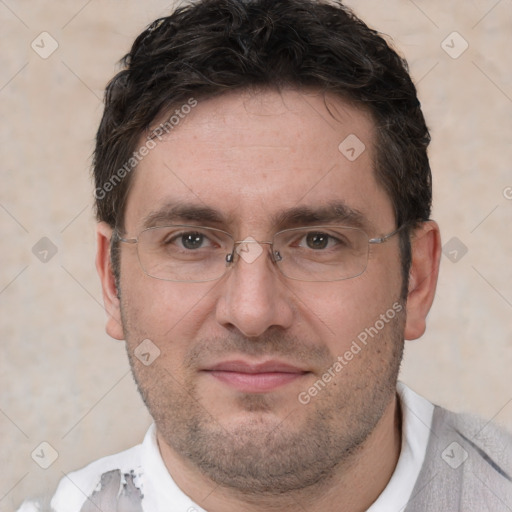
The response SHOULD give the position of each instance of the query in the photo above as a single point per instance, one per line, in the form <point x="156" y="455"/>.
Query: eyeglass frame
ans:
<point x="230" y="259"/>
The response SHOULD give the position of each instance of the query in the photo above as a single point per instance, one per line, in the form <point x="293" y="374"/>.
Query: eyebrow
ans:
<point x="183" y="212"/>
<point x="333" y="212"/>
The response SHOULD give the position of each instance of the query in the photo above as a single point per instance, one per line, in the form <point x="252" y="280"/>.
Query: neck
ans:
<point x="353" y="487"/>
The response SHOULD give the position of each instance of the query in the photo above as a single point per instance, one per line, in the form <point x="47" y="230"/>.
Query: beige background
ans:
<point x="65" y="382"/>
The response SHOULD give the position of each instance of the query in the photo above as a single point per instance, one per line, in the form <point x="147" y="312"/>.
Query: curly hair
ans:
<point x="210" y="47"/>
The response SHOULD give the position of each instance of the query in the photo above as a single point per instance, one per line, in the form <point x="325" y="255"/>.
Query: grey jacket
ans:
<point x="467" y="468"/>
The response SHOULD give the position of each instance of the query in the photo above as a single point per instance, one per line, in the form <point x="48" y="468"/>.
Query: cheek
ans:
<point x="163" y="311"/>
<point x="340" y="311"/>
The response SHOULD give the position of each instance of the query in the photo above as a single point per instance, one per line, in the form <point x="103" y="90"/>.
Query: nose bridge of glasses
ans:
<point x="249" y="250"/>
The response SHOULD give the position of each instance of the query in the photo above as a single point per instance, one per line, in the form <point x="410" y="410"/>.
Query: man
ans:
<point x="265" y="247"/>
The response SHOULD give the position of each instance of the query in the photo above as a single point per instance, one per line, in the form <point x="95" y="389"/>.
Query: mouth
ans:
<point x="250" y="377"/>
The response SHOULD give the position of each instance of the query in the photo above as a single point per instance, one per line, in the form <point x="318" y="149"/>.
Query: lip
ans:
<point x="250" y="377"/>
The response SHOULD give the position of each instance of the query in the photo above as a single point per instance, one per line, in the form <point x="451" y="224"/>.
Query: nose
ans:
<point x="253" y="296"/>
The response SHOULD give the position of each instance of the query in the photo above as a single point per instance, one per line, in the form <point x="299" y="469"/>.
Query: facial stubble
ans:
<point x="265" y="454"/>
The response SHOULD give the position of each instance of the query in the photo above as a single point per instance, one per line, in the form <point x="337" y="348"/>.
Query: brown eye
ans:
<point x="317" y="240"/>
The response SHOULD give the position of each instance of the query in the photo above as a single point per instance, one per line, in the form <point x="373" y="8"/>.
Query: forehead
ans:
<point x="250" y="157"/>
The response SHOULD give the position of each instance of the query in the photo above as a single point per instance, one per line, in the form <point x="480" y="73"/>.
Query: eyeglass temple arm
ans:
<point x="384" y="238"/>
<point x="117" y="236"/>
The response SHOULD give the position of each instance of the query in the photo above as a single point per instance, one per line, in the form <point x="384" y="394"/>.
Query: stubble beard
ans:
<point x="263" y="455"/>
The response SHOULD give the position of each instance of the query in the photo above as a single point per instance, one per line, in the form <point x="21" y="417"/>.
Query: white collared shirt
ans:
<point x="417" y="413"/>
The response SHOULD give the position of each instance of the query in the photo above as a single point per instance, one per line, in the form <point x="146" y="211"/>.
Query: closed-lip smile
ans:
<point x="255" y="377"/>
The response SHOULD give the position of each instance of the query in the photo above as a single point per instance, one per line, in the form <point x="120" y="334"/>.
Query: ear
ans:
<point x="426" y="254"/>
<point x="114" y="326"/>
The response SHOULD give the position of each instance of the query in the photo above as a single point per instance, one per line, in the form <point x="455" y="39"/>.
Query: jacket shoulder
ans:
<point x="467" y="467"/>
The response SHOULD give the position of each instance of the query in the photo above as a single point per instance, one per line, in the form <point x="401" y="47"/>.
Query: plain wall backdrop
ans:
<point x="65" y="382"/>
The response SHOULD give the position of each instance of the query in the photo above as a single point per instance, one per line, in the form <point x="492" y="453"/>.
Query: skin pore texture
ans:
<point x="253" y="157"/>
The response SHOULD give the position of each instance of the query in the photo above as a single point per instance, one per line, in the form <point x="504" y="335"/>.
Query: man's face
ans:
<point x="236" y="353"/>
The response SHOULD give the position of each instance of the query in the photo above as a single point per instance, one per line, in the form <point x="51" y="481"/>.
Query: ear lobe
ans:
<point x="423" y="275"/>
<point x="110" y="293"/>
